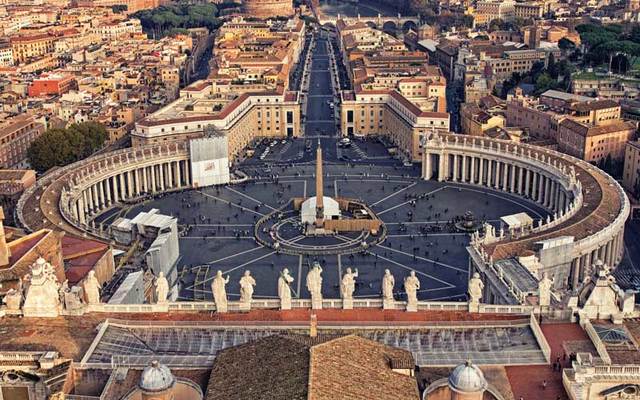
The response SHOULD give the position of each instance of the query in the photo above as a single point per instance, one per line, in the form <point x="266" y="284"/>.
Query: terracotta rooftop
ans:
<point x="283" y="367"/>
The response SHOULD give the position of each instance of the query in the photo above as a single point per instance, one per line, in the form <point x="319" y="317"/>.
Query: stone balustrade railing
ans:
<point x="539" y="335"/>
<point x="597" y="342"/>
<point x="274" y="304"/>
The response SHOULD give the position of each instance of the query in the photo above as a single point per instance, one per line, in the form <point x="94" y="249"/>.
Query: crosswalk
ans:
<point x="359" y="151"/>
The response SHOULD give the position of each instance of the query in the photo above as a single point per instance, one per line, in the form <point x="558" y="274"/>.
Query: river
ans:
<point x="366" y="8"/>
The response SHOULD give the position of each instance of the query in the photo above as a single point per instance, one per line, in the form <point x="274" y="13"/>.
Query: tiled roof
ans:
<point x="291" y="367"/>
<point x="273" y="368"/>
<point x="359" y="369"/>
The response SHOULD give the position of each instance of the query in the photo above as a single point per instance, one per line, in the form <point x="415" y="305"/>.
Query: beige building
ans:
<point x="391" y="114"/>
<point x="583" y="127"/>
<point x="16" y="135"/>
<point x="594" y="143"/>
<point x="249" y="116"/>
<point x="631" y="173"/>
<point x="28" y="46"/>
<point x="476" y="121"/>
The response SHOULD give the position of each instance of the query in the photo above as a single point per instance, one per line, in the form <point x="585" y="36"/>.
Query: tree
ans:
<point x="552" y="67"/>
<point x="545" y="82"/>
<point x="59" y="147"/>
<point x="566" y="45"/>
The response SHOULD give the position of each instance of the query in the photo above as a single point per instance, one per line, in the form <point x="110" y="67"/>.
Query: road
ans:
<point x="320" y="119"/>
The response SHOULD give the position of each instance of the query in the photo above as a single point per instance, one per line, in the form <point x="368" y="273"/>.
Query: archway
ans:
<point x="390" y="27"/>
<point x="409" y="25"/>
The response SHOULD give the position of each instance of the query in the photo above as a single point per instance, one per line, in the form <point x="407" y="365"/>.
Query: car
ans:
<point x="275" y="142"/>
<point x="283" y="141"/>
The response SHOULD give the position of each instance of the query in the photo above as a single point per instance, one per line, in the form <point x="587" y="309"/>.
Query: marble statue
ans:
<point x="42" y="298"/>
<point x="13" y="299"/>
<point x="544" y="291"/>
<point x="91" y="288"/>
<point x="284" y="289"/>
<point x="219" y="292"/>
<point x="162" y="289"/>
<point x="314" y="281"/>
<point x="411" y="287"/>
<point x="476" y="287"/>
<point x="64" y="288"/>
<point x="247" y="282"/>
<point x="348" y="284"/>
<point x="388" y="281"/>
<point x="73" y="299"/>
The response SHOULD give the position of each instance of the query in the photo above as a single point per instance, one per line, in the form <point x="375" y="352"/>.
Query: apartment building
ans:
<point x="247" y="117"/>
<point x="582" y="126"/>
<point x="16" y="135"/>
<point x="25" y="47"/>
<point x="631" y="172"/>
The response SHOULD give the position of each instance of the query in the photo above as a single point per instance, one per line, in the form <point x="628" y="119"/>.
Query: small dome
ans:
<point x="156" y="378"/>
<point x="467" y="378"/>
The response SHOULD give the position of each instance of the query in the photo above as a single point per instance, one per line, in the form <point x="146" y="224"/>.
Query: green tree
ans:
<point x="566" y="44"/>
<point x="59" y="147"/>
<point x="545" y="82"/>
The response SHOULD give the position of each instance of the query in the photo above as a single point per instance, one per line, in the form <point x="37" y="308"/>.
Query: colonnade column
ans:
<point x="505" y="176"/>
<point x="521" y="180"/>
<point x="179" y="169"/>
<point x="82" y="208"/>
<point x="472" y="174"/>
<point x="129" y="184"/>
<point x="575" y="273"/>
<point x="455" y="168"/>
<point x="464" y="168"/>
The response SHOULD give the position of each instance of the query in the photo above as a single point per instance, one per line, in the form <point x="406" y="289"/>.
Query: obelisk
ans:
<point x="319" y="189"/>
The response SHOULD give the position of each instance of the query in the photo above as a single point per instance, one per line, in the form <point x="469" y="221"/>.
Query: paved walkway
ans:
<point x="526" y="381"/>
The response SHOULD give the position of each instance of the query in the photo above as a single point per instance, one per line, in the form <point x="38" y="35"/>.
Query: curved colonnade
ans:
<point x="69" y="198"/>
<point x="586" y="203"/>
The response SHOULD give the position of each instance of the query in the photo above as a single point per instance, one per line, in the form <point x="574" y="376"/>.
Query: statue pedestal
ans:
<point x="347" y="304"/>
<point x="474" y="306"/>
<point x="388" y="305"/>
<point x="13" y="301"/>
<point x="316" y="304"/>
<point x="221" y="308"/>
<point x="412" y="307"/>
<point x="245" y="306"/>
<point x="285" y="304"/>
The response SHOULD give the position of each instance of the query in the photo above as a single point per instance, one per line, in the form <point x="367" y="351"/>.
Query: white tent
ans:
<point x="308" y="210"/>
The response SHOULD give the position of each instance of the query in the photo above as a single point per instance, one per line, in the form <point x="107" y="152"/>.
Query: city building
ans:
<point x="53" y="84"/>
<point x="267" y="8"/>
<point x="16" y="135"/>
<point x="631" y="172"/>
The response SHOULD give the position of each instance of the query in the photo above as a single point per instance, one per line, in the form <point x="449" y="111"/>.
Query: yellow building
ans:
<point x="389" y="113"/>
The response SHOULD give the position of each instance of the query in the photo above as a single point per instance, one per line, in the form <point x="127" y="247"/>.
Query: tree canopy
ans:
<point x="60" y="146"/>
<point x="605" y="43"/>
<point x="165" y="19"/>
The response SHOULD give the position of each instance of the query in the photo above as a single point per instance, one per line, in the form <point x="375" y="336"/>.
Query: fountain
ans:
<point x="468" y="223"/>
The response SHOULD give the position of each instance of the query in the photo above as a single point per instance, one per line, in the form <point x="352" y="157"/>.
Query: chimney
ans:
<point x="313" y="326"/>
<point x="5" y="253"/>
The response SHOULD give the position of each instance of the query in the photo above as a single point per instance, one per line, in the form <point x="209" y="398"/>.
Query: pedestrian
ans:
<point x="544" y="384"/>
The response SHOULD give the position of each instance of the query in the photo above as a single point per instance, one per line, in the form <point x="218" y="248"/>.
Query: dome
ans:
<point x="467" y="378"/>
<point x="156" y="378"/>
